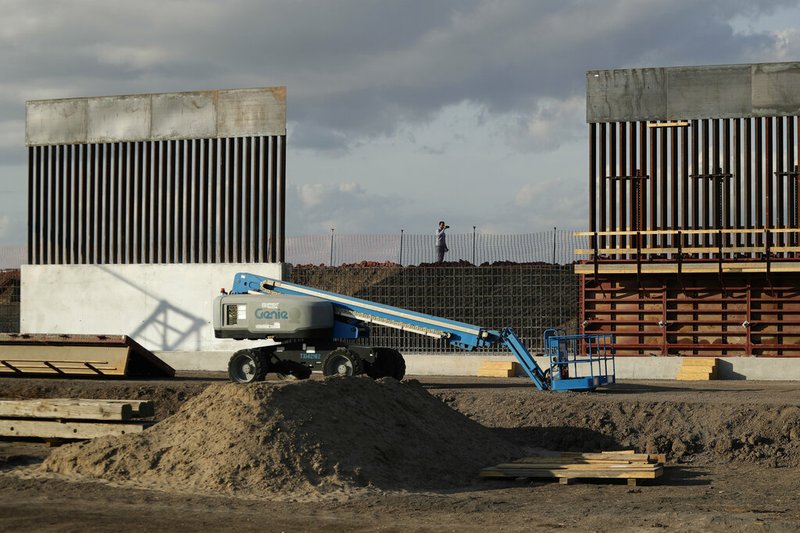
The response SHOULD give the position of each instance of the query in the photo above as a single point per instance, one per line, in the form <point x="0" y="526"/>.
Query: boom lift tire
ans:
<point x="247" y="366"/>
<point x="342" y="362"/>
<point x="388" y="363"/>
<point x="399" y="365"/>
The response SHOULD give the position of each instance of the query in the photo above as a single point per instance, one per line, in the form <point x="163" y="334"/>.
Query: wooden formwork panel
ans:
<point x="708" y="315"/>
<point x="77" y="355"/>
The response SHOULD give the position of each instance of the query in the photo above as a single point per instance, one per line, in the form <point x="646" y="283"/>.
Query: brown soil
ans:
<point x="357" y="455"/>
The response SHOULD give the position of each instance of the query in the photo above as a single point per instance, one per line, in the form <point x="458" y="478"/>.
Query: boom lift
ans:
<point x="311" y="328"/>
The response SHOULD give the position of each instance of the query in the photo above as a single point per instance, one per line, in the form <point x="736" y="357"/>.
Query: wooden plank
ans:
<point x="699" y="362"/>
<point x="500" y="364"/>
<point x="51" y="429"/>
<point x="76" y="409"/>
<point x="653" y="473"/>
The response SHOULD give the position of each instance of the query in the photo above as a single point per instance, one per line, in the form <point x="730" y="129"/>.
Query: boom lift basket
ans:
<point x="579" y="362"/>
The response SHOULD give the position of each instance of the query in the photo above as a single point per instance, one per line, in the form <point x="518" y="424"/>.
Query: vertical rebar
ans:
<point x="400" y="259"/>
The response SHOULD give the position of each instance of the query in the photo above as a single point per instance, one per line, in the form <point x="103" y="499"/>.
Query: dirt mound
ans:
<point x="299" y="439"/>
<point x="686" y="431"/>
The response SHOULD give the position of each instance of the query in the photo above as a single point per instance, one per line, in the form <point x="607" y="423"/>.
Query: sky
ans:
<point x="400" y="113"/>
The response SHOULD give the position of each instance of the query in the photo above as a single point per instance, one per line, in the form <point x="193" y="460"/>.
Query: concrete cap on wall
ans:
<point x="688" y="93"/>
<point x="157" y="116"/>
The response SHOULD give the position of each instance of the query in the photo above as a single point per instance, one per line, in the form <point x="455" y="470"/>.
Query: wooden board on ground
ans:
<point x="604" y="465"/>
<point x="72" y="419"/>
<point x="76" y="409"/>
<point x="498" y="369"/>
<point x="54" y="429"/>
<point x="697" y="369"/>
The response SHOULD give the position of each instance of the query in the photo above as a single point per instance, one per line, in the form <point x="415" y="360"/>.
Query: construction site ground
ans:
<point x="733" y="450"/>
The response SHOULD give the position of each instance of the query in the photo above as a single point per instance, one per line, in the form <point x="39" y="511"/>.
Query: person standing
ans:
<point x="441" y="242"/>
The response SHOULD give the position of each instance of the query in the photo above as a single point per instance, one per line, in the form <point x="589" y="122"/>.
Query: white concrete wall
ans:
<point x="162" y="307"/>
<point x="627" y="368"/>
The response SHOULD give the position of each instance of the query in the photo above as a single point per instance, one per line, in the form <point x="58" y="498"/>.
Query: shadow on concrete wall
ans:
<point x="167" y="328"/>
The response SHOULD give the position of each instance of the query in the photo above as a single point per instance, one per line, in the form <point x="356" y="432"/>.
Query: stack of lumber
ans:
<point x="52" y="419"/>
<point x="698" y="369"/>
<point x="498" y="369"/>
<point x="568" y="465"/>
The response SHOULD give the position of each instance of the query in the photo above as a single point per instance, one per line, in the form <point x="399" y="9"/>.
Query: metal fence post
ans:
<point x="331" y="261"/>
<point x="400" y="260"/>
<point x="473" y="245"/>
<point x="554" y="245"/>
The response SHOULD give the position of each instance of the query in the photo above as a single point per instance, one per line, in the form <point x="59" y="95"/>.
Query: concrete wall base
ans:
<point x="630" y="368"/>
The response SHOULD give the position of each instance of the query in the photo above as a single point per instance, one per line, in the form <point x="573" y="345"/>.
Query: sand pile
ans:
<point x="303" y="438"/>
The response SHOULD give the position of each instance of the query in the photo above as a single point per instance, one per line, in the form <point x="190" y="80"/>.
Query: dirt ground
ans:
<point x="733" y="450"/>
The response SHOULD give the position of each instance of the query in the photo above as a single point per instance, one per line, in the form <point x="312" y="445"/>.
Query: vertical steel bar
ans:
<point x="694" y="182"/>
<point x="612" y="186"/>
<point x="91" y="205"/>
<point x="231" y="211"/>
<point x="123" y="229"/>
<point x="685" y="156"/>
<point x="179" y="175"/>
<point x="652" y="171"/>
<point x="201" y="219"/>
<point x="758" y="167"/>
<point x="247" y="198"/>
<point x="747" y="166"/>
<point x="737" y="179"/>
<point x="69" y="201"/>
<point x="60" y="220"/>
<point x="34" y="174"/>
<point x="282" y="200"/>
<point x="107" y="182"/>
<point x="769" y="178"/>
<point x="603" y="174"/>
<point x="593" y="177"/>
<point x="53" y="216"/>
<point x="705" y="215"/>
<point x="84" y="213"/>
<point x="643" y="183"/>
<point x="147" y="188"/>
<point x="780" y="179"/>
<point x="239" y="187"/>
<point x="715" y="180"/>
<point x="213" y="211"/>
<point x="622" y="172"/>
<point x="727" y="181"/>
<point x="265" y="196"/>
<point x="154" y="165"/>
<point x="633" y="183"/>
<point x="791" y="184"/>
<point x="673" y="184"/>
<point x="663" y="195"/>
<point x="223" y="200"/>
<point x="273" y="210"/>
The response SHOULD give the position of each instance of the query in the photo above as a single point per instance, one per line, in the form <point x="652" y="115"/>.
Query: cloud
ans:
<point x="346" y="207"/>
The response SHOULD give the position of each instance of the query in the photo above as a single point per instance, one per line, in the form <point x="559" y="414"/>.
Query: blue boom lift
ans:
<point x="311" y="328"/>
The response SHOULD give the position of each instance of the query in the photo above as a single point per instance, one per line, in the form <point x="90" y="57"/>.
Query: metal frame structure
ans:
<point x="694" y="222"/>
<point x="158" y="178"/>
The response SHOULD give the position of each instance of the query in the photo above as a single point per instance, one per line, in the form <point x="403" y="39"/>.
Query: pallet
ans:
<point x="697" y="369"/>
<point x="72" y="419"/>
<point x="567" y="467"/>
<point x="498" y="369"/>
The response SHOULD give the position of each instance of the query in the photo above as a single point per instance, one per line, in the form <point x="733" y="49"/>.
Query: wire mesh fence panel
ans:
<point x="9" y="301"/>
<point x="529" y="298"/>
<point x="556" y="247"/>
